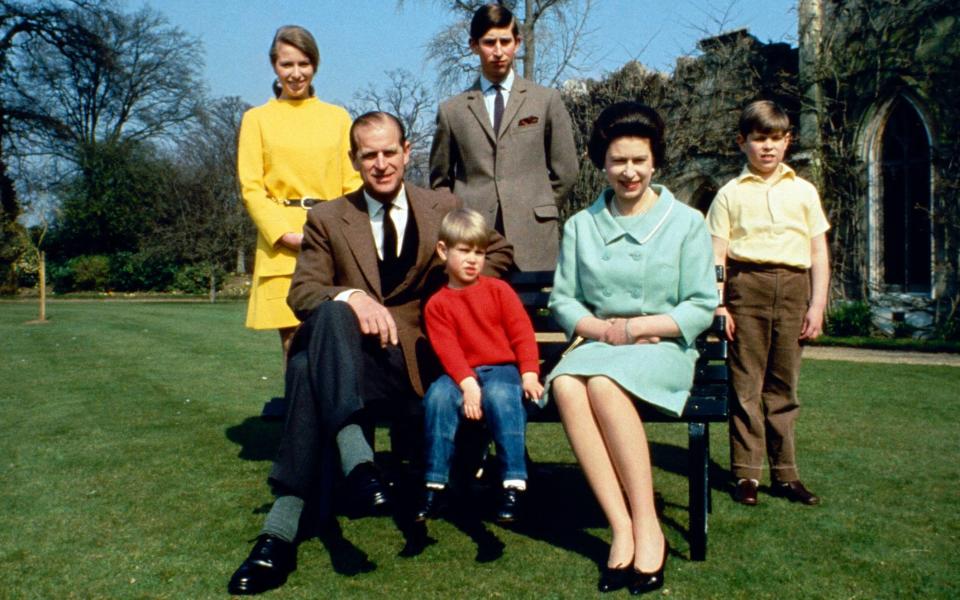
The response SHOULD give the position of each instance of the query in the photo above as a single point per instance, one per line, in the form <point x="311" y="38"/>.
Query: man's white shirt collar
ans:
<point x="399" y="214"/>
<point x="490" y="94"/>
<point x="505" y="86"/>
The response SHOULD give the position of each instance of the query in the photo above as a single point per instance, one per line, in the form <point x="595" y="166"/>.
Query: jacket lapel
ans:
<point x="427" y="220"/>
<point x="356" y="228"/>
<point x="479" y="110"/>
<point x="517" y="96"/>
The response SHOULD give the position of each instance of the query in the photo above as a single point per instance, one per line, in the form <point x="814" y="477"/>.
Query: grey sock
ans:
<point x="354" y="448"/>
<point x="283" y="520"/>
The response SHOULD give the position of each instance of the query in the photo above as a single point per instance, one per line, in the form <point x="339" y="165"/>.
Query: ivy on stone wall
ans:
<point x="700" y="102"/>
<point x="872" y="52"/>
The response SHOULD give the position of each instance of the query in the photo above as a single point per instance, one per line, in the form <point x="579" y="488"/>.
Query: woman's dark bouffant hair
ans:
<point x="626" y="119"/>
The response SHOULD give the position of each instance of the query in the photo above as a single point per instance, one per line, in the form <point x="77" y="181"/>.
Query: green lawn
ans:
<point x="132" y="465"/>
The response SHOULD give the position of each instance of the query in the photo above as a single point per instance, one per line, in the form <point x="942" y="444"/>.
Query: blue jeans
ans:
<point x="501" y="400"/>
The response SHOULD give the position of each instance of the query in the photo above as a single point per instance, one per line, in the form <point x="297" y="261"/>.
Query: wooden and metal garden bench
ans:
<point x="707" y="402"/>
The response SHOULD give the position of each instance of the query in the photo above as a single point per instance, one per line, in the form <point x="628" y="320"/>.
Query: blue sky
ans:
<point x="361" y="39"/>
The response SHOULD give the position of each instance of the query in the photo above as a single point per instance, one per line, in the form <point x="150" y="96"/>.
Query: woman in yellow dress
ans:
<point x="293" y="152"/>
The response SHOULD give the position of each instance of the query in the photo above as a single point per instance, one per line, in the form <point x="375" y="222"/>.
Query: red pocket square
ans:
<point x="528" y="121"/>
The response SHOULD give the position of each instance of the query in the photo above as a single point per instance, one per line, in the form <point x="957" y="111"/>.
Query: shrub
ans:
<point x="140" y="271"/>
<point x="947" y="326"/>
<point x="81" y="273"/>
<point x="195" y="279"/>
<point x="27" y="270"/>
<point x="849" y="319"/>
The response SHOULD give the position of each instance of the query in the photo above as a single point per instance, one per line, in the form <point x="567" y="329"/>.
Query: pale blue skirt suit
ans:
<point x="660" y="262"/>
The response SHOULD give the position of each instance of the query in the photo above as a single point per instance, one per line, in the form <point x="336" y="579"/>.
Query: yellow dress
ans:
<point x="288" y="149"/>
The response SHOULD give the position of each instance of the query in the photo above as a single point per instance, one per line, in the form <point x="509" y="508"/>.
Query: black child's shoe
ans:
<point x="510" y="501"/>
<point x="433" y="503"/>
<point x="795" y="492"/>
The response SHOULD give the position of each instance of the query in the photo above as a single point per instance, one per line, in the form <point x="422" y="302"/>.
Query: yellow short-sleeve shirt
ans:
<point x="769" y="221"/>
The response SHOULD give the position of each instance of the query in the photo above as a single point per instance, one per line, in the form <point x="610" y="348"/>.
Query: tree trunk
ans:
<point x="530" y="40"/>
<point x="241" y="260"/>
<point x="213" y="286"/>
<point x="810" y="27"/>
<point x="43" y="286"/>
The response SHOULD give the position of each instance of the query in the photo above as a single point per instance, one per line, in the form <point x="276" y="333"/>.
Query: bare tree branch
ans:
<point x="556" y="36"/>
<point x="406" y="97"/>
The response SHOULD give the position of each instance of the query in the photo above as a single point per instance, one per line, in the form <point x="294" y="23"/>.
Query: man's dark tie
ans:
<point x="389" y="245"/>
<point x="497" y="109"/>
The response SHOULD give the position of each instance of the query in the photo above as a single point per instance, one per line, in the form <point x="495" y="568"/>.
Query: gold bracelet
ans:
<point x="626" y="328"/>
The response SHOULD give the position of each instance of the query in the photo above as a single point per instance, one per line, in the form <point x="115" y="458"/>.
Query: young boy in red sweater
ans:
<point x="486" y="345"/>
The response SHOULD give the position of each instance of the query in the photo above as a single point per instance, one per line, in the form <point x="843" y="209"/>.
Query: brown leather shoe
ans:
<point x="795" y="492"/>
<point x="745" y="492"/>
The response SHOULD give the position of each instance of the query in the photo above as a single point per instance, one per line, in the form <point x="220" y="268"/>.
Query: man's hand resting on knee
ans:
<point x="374" y="318"/>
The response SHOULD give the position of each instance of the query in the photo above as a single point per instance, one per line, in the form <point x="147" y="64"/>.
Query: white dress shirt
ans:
<point x="399" y="214"/>
<point x="490" y="94"/>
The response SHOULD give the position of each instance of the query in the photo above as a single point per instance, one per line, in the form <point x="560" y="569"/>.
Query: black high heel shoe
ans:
<point x="614" y="578"/>
<point x="648" y="582"/>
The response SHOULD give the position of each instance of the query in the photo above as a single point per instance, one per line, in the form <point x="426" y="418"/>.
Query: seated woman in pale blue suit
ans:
<point x="636" y="281"/>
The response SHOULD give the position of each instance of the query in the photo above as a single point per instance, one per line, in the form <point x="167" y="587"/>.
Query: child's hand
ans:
<point x="812" y="324"/>
<point x="729" y="328"/>
<point x="471" y="399"/>
<point x="532" y="388"/>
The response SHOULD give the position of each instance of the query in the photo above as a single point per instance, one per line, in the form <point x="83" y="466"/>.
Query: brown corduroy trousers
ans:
<point x="768" y="304"/>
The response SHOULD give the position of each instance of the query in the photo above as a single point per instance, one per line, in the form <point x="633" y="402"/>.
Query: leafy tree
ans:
<point x="201" y="220"/>
<point x="21" y="23"/>
<point x="99" y="104"/>
<point x="110" y="204"/>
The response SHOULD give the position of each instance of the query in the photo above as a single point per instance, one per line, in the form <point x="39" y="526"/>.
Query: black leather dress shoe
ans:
<point x="648" y="582"/>
<point x="509" y="505"/>
<point x="432" y="505"/>
<point x="745" y="492"/>
<point x="367" y="488"/>
<point x="267" y="567"/>
<point x="614" y="578"/>
<point x="795" y="492"/>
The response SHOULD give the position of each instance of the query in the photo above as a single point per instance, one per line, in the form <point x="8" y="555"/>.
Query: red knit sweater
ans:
<point x="482" y="324"/>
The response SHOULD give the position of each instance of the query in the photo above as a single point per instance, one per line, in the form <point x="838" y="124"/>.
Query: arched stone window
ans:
<point x="901" y="243"/>
<point x="905" y="163"/>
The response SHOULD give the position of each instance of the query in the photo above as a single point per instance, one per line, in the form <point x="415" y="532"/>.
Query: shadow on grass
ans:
<point x="559" y="506"/>
<point x="675" y="459"/>
<point x="258" y="439"/>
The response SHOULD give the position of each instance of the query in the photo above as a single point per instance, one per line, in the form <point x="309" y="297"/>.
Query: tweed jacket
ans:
<point x="528" y="169"/>
<point x="338" y="254"/>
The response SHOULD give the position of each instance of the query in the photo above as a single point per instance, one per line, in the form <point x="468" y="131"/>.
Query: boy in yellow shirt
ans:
<point x="769" y="231"/>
